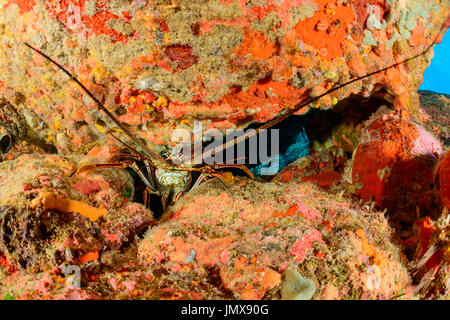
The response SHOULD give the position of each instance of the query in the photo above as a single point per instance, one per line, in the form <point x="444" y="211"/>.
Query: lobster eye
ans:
<point x="5" y="143"/>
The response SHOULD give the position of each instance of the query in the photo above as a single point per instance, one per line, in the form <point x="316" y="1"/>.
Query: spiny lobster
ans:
<point x="169" y="181"/>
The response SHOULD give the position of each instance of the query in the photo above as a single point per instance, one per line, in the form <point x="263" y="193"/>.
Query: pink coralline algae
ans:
<point x="212" y="244"/>
<point x="303" y="245"/>
<point x="250" y="243"/>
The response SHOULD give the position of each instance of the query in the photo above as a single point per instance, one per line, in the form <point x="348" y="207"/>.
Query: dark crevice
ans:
<point x="213" y="277"/>
<point x="351" y="113"/>
<point x="297" y="133"/>
<point x="266" y="79"/>
<point x="295" y="136"/>
<point x="5" y="143"/>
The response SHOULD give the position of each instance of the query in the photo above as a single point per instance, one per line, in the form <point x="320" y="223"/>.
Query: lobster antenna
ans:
<point x="100" y="106"/>
<point x="303" y="104"/>
<point x="130" y="148"/>
<point x="311" y="100"/>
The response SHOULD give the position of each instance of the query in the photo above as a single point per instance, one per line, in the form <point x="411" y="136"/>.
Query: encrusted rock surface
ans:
<point x="248" y="240"/>
<point x="216" y="242"/>
<point x="159" y="65"/>
<point x="310" y="232"/>
<point x="442" y="179"/>
<point x="258" y="230"/>
<point x="393" y="163"/>
<point x="39" y="238"/>
<point x="436" y="114"/>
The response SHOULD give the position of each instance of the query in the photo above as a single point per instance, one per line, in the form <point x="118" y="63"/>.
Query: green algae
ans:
<point x="369" y="39"/>
<point x="8" y="297"/>
<point x="267" y="25"/>
<point x="302" y="12"/>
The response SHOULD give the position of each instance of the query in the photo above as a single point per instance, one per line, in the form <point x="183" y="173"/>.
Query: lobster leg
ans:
<point x="204" y="175"/>
<point x="199" y="180"/>
<point x="147" y="183"/>
<point x="150" y="173"/>
<point x="146" y="197"/>
<point x="122" y="165"/>
<point x="235" y="166"/>
<point x="178" y="196"/>
<point x="92" y="167"/>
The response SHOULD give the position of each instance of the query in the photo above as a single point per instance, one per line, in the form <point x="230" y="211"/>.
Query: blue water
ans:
<point x="437" y="75"/>
<point x="294" y="144"/>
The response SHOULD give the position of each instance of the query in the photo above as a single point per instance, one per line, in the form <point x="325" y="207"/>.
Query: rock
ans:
<point x="243" y="240"/>
<point x="393" y="164"/>
<point x="78" y="294"/>
<point x="155" y="64"/>
<point x="44" y="212"/>
<point x="215" y="243"/>
<point x="159" y="67"/>
<point x="295" y="287"/>
<point x="435" y="108"/>
<point x="324" y="168"/>
<point x="442" y="179"/>
<point x="20" y="236"/>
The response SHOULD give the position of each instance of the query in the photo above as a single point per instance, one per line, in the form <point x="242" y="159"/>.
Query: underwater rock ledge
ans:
<point x="314" y="231"/>
<point x="159" y="66"/>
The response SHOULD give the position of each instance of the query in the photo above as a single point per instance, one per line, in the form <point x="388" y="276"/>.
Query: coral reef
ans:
<point x="237" y="247"/>
<point x="259" y="230"/>
<point x="393" y="164"/>
<point x="359" y="209"/>
<point x="442" y="179"/>
<point x="304" y="235"/>
<point x="436" y="114"/>
<point x="48" y="216"/>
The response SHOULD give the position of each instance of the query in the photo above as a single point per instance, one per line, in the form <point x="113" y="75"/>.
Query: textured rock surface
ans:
<point x="436" y="114"/>
<point x="260" y="229"/>
<point x="36" y="238"/>
<point x="158" y="65"/>
<point x="393" y="164"/>
<point x="442" y="179"/>
<point x="215" y="243"/>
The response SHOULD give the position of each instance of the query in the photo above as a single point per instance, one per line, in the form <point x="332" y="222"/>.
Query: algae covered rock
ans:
<point x="393" y="164"/>
<point x="20" y="235"/>
<point x="228" y="63"/>
<point x="48" y="213"/>
<point x="246" y="238"/>
<point x="237" y="242"/>
<point x="442" y="179"/>
<point x="159" y="66"/>
<point x="435" y="107"/>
